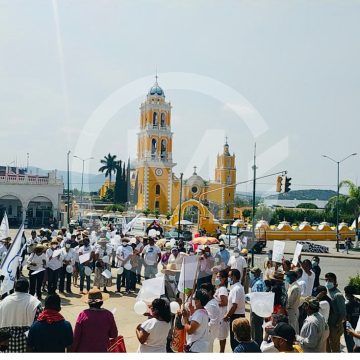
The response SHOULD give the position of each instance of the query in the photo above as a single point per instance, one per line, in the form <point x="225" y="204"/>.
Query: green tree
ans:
<point x="115" y="207"/>
<point x="157" y="213"/>
<point x="146" y="212"/>
<point x="110" y="165"/>
<point x="109" y="196"/>
<point x="353" y="201"/>
<point x="246" y="213"/>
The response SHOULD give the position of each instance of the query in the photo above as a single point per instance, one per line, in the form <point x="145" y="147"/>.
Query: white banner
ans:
<point x="151" y="289"/>
<point x="278" y="251"/>
<point x="4" y="227"/>
<point x="188" y="272"/>
<point x="297" y="253"/>
<point x="11" y="263"/>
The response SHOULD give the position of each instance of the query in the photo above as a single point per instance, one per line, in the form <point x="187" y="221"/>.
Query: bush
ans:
<point x="355" y="281"/>
<point x="115" y="207"/>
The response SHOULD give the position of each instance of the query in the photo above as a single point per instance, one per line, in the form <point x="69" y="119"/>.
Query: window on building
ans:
<point x="162" y="121"/>
<point x="153" y="148"/>
<point x="10" y="210"/>
<point x="163" y="149"/>
<point x="157" y="205"/>
<point x="155" y="119"/>
<point x="157" y="190"/>
<point x="141" y="189"/>
<point x="228" y="180"/>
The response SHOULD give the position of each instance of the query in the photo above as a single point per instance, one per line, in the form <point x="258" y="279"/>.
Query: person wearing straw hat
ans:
<point x="102" y="263"/>
<point x="67" y="257"/>
<point x="37" y="261"/>
<point x="172" y="274"/>
<point x="94" y="326"/>
<point x="5" y="245"/>
<point x="152" y="256"/>
<point x="85" y="248"/>
<point x="53" y="266"/>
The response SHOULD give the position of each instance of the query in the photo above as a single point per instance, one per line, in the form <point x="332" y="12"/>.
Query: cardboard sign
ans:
<point x="188" y="272"/>
<point x="297" y="253"/>
<point x="106" y="273"/>
<point x="84" y="258"/>
<point x="278" y="251"/>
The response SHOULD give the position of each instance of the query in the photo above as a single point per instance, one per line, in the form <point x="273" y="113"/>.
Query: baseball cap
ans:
<point x="284" y="331"/>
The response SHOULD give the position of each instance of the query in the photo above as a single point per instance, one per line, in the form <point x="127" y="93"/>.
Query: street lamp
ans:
<point x="68" y="189"/>
<point x="338" y="193"/>
<point x="82" y="178"/>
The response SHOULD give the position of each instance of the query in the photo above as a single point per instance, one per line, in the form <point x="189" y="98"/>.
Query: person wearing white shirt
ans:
<point x="32" y="242"/>
<point x="123" y="255"/>
<point x="238" y="262"/>
<point x="138" y="250"/>
<point x="236" y="303"/>
<point x="115" y="242"/>
<point x="152" y="333"/>
<point x="196" y="326"/>
<point x="221" y="296"/>
<point x="53" y="266"/>
<point x="36" y="262"/>
<point x="86" y="248"/>
<point x="307" y="280"/>
<point x="67" y="257"/>
<point x="102" y="256"/>
<point x="213" y="310"/>
<point x="152" y="256"/>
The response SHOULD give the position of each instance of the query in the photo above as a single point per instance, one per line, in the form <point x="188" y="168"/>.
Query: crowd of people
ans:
<point x="307" y="316"/>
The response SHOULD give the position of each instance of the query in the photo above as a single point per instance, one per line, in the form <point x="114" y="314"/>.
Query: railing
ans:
<point x="29" y="179"/>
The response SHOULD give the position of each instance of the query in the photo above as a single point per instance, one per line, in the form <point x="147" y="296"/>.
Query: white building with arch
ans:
<point x="31" y="197"/>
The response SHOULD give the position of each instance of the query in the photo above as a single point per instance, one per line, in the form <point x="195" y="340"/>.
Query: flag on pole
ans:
<point x="11" y="262"/>
<point x="4" y="227"/>
<point x="129" y="225"/>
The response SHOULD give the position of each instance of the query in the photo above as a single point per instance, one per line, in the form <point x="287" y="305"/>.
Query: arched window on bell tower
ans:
<point x="153" y="148"/>
<point x="157" y="189"/>
<point x="155" y="119"/>
<point x="162" y="121"/>
<point x="163" y="150"/>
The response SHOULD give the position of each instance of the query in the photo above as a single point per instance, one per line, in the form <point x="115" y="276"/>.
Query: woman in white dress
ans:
<point x="221" y="295"/>
<point x="152" y="333"/>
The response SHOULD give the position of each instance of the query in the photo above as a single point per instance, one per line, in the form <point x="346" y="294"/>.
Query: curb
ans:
<point x="334" y="256"/>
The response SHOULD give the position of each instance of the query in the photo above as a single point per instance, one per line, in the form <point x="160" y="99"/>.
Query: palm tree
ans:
<point x="110" y="165"/>
<point x="353" y="202"/>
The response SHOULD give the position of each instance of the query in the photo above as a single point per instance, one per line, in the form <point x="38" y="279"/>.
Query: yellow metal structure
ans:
<point x="206" y="218"/>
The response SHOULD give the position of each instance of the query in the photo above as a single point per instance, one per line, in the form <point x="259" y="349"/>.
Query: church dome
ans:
<point x="156" y="90"/>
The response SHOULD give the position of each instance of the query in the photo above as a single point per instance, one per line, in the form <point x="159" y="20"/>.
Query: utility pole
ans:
<point x="68" y="188"/>
<point x="253" y="205"/>
<point x="181" y="185"/>
<point x="27" y="162"/>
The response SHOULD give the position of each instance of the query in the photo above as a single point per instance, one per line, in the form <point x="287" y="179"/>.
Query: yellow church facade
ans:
<point x="156" y="185"/>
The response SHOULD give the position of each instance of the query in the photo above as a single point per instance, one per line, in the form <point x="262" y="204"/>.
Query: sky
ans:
<point x="283" y="74"/>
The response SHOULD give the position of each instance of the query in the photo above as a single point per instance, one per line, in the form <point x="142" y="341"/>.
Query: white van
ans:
<point x="140" y="226"/>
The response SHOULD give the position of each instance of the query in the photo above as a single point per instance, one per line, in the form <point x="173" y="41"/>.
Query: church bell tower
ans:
<point x="154" y="153"/>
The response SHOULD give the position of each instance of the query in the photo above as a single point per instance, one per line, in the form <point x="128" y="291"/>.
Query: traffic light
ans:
<point x="287" y="184"/>
<point x="279" y="184"/>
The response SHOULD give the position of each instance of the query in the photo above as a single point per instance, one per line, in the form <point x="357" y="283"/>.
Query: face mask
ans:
<point x="222" y="249"/>
<point x="53" y="246"/>
<point x="252" y="277"/>
<point x="236" y="255"/>
<point x="207" y="254"/>
<point x="67" y="246"/>
<point x="124" y="244"/>
<point x="314" y="263"/>
<point x="230" y="281"/>
<point x="171" y="277"/>
<point x="217" y="281"/>
<point x="329" y="285"/>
